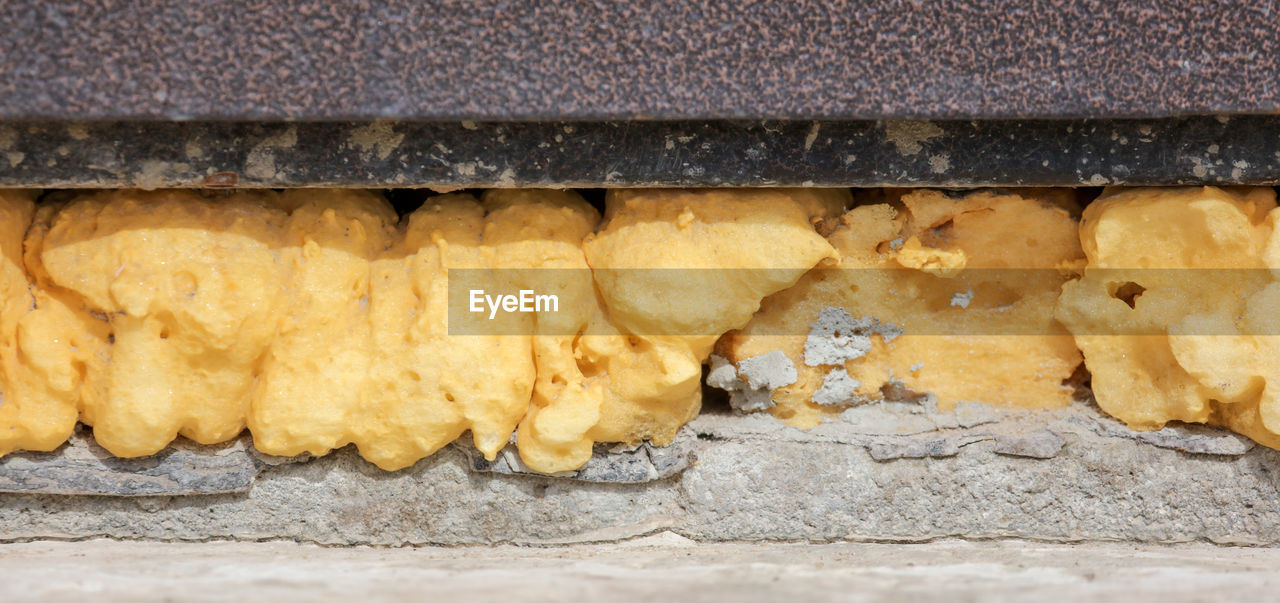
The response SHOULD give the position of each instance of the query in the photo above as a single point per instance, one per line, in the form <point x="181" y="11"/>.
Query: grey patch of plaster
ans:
<point x="1039" y="444"/>
<point x="961" y="300"/>
<point x="743" y="397"/>
<point x="908" y="135"/>
<point x="751" y="400"/>
<point x="836" y="337"/>
<point x="722" y="374"/>
<point x="768" y="371"/>
<point x="838" y="388"/>
<point x="887" y="331"/>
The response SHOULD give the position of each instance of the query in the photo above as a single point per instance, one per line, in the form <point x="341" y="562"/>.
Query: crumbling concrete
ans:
<point x="883" y="472"/>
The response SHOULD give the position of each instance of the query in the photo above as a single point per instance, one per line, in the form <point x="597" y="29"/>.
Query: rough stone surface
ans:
<point x="1196" y="439"/>
<point x="611" y="464"/>
<point x="663" y="566"/>
<point x="747" y="399"/>
<point x="837" y="388"/>
<point x="768" y="371"/>
<point x="742" y="397"/>
<point x="83" y="467"/>
<point x="749" y="478"/>
<point x="1039" y="444"/>
<point x="496" y="59"/>
<point x="722" y="374"/>
<point x="917" y="447"/>
<point x="836" y="337"/>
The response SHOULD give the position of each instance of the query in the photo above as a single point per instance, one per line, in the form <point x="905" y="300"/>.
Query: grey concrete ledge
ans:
<point x="655" y="568"/>
<point x="891" y="472"/>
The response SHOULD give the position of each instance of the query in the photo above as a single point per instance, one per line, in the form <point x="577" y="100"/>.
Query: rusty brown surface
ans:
<point x="524" y="59"/>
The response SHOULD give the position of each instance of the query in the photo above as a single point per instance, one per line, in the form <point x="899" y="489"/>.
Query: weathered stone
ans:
<point x="612" y="464"/>
<point x="1189" y="438"/>
<point x="838" y="388"/>
<point x="914" y="448"/>
<point x="748" y="478"/>
<point x="82" y="467"/>
<point x="768" y="371"/>
<point x="1039" y="444"/>
<point x="742" y="396"/>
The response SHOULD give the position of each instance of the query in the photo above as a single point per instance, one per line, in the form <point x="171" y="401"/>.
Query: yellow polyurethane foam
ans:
<point x="319" y="320"/>
<point x="39" y="383"/>
<point x="314" y="378"/>
<point x="674" y="270"/>
<point x="911" y="271"/>
<point x="1176" y="312"/>
<point x="190" y="287"/>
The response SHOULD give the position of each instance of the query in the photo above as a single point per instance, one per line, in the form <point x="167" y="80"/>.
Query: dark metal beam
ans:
<point x="1202" y="150"/>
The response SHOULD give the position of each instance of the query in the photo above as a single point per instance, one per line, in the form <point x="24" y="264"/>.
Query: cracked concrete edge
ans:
<point x="905" y="426"/>
<point x="750" y="478"/>
<point x="618" y="464"/>
<point x="888" y="430"/>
